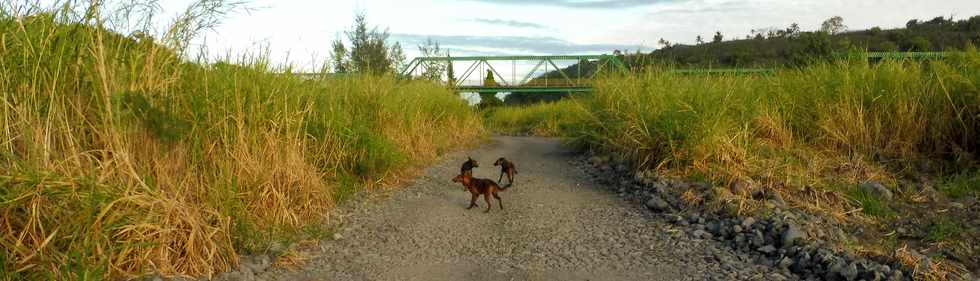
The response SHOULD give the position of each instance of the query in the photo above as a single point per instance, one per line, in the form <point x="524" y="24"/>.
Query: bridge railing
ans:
<point x="557" y="82"/>
<point x="900" y="55"/>
<point x="562" y="81"/>
<point x="559" y="77"/>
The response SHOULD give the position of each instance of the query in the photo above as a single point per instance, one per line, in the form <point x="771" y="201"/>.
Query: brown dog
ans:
<point x="508" y="168"/>
<point x="478" y="186"/>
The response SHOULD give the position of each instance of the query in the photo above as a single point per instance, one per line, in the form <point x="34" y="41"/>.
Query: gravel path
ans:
<point x="557" y="225"/>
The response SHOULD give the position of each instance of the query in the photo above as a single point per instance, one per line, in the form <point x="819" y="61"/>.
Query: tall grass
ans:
<point x="551" y="119"/>
<point x="733" y="126"/>
<point x="120" y="157"/>
<point x="825" y="125"/>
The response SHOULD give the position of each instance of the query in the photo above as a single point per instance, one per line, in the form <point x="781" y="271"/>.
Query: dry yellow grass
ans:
<point x="811" y="135"/>
<point x="119" y="157"/>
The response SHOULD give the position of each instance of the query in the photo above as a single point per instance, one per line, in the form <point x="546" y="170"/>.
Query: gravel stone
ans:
<point x="564" y="222"/>
<point x="748" y="222"/>
<point x="573" y="218"/>
<point x="792" y="234"/>
<point x="657" y="204"/>
<point x="876" y="188"/>
<point x="767" y="249"/>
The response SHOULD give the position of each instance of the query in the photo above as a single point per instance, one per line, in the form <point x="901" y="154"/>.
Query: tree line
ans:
<point x="791" y="46"/>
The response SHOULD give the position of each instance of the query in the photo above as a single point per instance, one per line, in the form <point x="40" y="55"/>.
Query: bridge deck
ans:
<point x="522" y="89"/>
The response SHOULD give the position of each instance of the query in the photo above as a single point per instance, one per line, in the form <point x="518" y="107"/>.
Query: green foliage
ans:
<point x="874" y="31"/>
<point x="340" y="58"/>
<point x="379" y="156"/>
<point x="962" y="185"/>
<point x="488" y="100"/>
<point x="524" y="98"/>
<point x="887" y="46"/>
<point x="433" y="70"/>
<point x="797" y="127"/>
<point x="870" y="203"/>
<point x="369" y="53"/>
<point x="792" y="47"/>
<point x="833" y="25"/>
<point x="347" y="186"/>
<point x="550" y="119"/>
<point x="918" y="44"/>
<point x="816" y="46"/>
<point x="942" y="230"/>
<point x="158" y="120"/>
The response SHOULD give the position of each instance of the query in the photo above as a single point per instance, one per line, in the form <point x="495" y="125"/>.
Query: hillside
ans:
<point x="792" y="47"/>
<point x="789" y="47"/>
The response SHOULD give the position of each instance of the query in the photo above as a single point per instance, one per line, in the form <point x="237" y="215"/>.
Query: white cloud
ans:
<point x="303" y="29"/>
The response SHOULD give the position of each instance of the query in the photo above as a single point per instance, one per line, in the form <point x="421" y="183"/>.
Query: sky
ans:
<point x="299" y="32"/>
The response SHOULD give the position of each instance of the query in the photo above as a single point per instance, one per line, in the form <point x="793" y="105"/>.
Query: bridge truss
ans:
<point x="564" y="81"/>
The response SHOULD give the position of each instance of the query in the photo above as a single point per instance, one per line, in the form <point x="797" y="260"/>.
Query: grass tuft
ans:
<point x="962" y="185"/>
<point x="942" y="230"/>
<point x="871" y="204"/>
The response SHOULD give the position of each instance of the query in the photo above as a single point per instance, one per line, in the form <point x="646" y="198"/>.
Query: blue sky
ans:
<point x="300" y="32"/>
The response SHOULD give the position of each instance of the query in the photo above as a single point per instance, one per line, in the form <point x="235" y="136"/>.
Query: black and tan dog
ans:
<point x="478" y="186"/>
<point x="468" y="166"/>
<point x="508" y="168"/>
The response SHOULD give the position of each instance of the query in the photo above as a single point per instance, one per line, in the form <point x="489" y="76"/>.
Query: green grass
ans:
<point x="120" y="156"/>
<point x="943" y="230"/>
<point x="827" y="124"/>
<point x="546" y="119"/>
<point x="871" y="204"/>
<point x="961" y="185"/>
<point x="812" y="134"/>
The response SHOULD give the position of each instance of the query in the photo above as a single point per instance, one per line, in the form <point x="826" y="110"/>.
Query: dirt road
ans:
<point x="557" y="225"/>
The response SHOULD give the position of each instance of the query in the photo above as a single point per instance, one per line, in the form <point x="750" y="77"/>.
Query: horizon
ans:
<point x="297" y="34"/>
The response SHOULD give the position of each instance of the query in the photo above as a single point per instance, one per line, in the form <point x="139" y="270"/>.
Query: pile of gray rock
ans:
<point x="778" y="240"/>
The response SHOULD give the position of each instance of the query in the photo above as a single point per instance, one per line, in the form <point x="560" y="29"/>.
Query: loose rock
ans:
<point x="792" y="234"/>
<point x="876" y="188"/>
<point x="748" y="222"/>
<point x="767" y="249"/>
<point x="657" y="204"/>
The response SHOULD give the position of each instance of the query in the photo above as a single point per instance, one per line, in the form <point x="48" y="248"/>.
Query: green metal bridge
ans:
<point x="906" y="55"/>
<point x="556" y="79"/>
<point x="495" y="81"/>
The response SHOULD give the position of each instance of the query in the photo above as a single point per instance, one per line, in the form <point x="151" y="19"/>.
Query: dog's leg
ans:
<point x="510" y="178"/>
<point x="473" y="201"/>
<point x="499" y="202"/>
<point x="486" y="196"/>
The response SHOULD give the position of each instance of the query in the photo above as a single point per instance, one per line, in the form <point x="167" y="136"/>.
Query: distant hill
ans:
<point x="787" y="47"/>
<point x="790" y="47"/>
